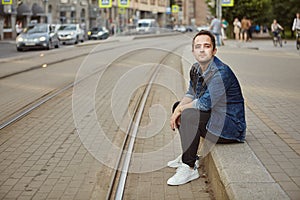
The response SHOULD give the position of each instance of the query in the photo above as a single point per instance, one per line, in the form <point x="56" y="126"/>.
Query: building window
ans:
<point x="73" y="16"/>
<point x="62" y="17"/>
<point x="50" y="9"/>
<point x="162" y="3"/>
<point x="82" y="15"/>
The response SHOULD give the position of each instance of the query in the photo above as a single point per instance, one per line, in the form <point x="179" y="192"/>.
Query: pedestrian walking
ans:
<point x="1" y="29"/>
<point x="112" y="29"/>
<point x="212" y="108"/>
<point x="250" y="30"/>
<point x="245" y="25"/>
<point x="224" y="28"/>
<point x="236" y="28"/>
<point x="215" y="27"/>
<point x="19" y="28"/>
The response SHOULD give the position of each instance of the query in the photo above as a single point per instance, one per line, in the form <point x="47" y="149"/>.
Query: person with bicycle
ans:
<point x="296" y="27"/>
<point x="276" y="29"/>
<point x="296" y="23"/>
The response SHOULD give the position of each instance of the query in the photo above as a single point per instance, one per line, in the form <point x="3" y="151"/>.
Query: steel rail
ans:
<point x="23" y="113"/>
<point x="138" y="111"/>
<point x="60" y="61"/>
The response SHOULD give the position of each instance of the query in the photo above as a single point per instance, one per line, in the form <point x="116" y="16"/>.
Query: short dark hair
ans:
<point x="209" y="34"/>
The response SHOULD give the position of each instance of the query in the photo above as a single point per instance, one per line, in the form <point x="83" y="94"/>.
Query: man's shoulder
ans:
<point x="221" y="66"/>
<point x="218" y="62"/>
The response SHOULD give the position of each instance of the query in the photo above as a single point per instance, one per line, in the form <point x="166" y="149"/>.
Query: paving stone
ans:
<point x="51" y="145"/>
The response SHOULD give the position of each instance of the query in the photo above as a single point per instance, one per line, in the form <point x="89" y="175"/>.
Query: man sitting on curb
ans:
<point x="213" y="108"/>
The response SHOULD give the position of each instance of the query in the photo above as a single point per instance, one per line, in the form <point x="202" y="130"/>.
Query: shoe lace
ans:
<point x="181" y="170"/>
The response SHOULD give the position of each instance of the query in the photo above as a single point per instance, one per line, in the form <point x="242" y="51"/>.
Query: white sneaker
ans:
<point x="178" y="162"/>
<point x="183" y="175"/>
<point x="175" y="163"/>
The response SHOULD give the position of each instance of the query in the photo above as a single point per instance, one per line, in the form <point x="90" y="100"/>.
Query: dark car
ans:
<point x="37" y="36"/>
<point x="97" y="33"/>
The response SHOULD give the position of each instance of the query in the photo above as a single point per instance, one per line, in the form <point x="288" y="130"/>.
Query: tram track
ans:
<point x="118" y="180"/>
<point x="15" y="115"/>
<point x="41" y="65"/>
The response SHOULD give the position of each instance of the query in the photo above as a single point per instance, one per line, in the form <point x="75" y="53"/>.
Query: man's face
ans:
<point x="203" y="49"/>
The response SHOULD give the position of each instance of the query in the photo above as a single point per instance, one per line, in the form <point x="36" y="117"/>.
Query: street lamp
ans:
<point x="46" y="10"/>
<point x="219" y="9"/>
<point x="218" y="5"/>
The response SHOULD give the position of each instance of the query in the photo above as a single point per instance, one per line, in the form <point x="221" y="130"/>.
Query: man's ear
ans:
<point x="215" y="51"/>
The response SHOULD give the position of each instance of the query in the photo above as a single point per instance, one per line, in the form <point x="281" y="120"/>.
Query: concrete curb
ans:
<point x="242" y="176"/>
<point x="233" y="169"/>
<point x="7" y="42"/>
<point x="156" y="35"/>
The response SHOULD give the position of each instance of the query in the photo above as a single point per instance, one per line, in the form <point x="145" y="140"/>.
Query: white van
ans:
<point x="146" y="26"/>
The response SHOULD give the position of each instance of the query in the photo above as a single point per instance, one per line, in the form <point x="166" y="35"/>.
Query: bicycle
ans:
<point x="298" y="39"/>
<point x="277" y="38"/>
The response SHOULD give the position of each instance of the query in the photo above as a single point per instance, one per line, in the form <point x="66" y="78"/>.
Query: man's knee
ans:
<point x="190" y="116"/>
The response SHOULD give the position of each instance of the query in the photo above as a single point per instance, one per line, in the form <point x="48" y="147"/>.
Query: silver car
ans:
<point x="70" y="34"/>
<point x="37" y="36"/>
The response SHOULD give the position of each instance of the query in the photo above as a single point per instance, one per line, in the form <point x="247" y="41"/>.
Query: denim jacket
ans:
<point x="217" y="90"/>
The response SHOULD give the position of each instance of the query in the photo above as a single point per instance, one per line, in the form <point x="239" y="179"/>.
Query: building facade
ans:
<point x="89" y="14"/>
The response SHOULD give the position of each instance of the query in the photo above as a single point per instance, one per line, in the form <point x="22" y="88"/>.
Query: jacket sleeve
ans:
<point x="190" y="92"/>
<point x="215" y="93"/>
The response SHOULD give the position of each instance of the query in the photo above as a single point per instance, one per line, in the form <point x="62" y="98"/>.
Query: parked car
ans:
<point x="55" y="27"/>
<point x="97" y="33"/>
<point x="200" y="28"/>
<point x="180" y="28"/>
<point x="70" y="34"/>
<point x="190" y="29"/>
<point x="37" y="36"/>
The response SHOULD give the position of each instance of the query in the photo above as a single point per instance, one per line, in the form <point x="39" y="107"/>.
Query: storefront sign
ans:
<point x="227" y="3"/>
<point x="121" y="10"/>
<point x="6" y="2"/>
<point x="175" y="8"/>
<point x="123" y="3"/>
<point x="105" y="3"/>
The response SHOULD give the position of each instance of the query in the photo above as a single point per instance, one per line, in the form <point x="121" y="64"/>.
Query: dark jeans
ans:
<point x="193" y="126"/>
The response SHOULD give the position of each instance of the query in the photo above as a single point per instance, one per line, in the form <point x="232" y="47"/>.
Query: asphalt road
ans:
<point x="7" y="49"/>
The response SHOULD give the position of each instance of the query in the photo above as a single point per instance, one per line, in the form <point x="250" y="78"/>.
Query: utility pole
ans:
<point x="219" y="9"/>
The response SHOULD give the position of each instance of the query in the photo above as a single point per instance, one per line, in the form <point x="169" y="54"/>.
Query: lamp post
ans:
<point x="46" y="10"/>
<point x="219" y="9"/>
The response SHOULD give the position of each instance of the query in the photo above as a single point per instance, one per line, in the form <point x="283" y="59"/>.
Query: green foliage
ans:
<point x="262" y="12"/>
<point x="256" y="10"/>
<point x="285" y="11"/>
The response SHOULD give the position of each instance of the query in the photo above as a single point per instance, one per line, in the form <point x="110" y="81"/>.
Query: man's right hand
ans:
<point x="175" y="118"/>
